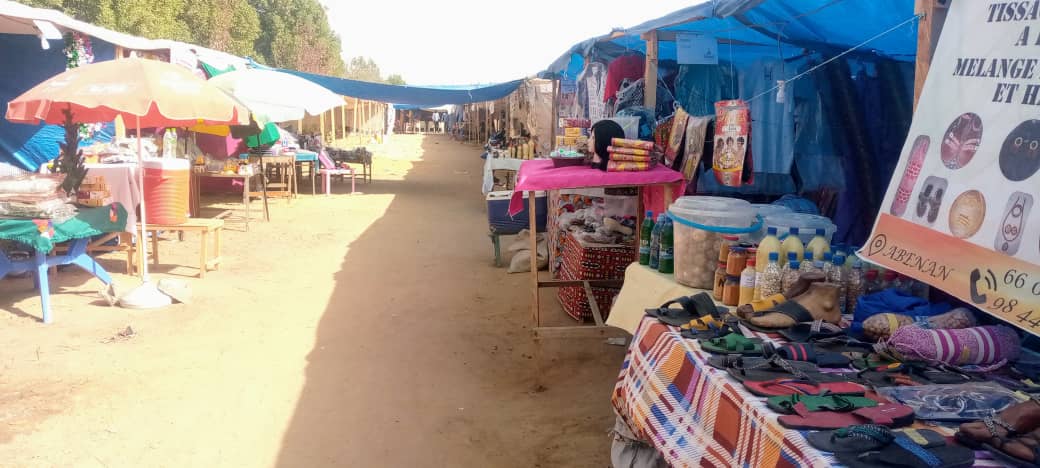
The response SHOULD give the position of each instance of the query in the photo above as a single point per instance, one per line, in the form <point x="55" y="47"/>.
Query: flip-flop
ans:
<point x="781" y="387"/>
<point x="703" y="323"/>
<point x="760" y="369"/>
<point x="866" y="437"/>
<point x="733" y="343"/>
<point x="760" y="305"/>
<point x="692" y="307"/>
<point x="904" y="452"/>
<point x="711" y="332"/>
<point x="811" y="331"/>
<point x="792" y="309"/>
<point x="839" y="403"/>
<point x="808" y="353"/>
<point x="884" y="414"/>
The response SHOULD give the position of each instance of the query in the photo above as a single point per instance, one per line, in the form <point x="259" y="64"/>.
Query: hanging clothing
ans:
<point x="629" y="67"/>
<point x="592" y="85"/>
<point x="771" y="122"/>
<point x="699" y="87"/>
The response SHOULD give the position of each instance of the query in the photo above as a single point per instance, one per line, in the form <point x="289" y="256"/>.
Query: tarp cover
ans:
<point x="413" y="95"/>
<point x="753" y="28"/>
<point x="28" y="146"/>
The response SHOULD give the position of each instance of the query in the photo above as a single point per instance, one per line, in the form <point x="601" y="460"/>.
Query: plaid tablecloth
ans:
<point x="696" y="415"/>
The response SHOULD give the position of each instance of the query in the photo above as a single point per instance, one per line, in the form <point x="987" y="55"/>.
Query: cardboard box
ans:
<point x="572" y="132"/>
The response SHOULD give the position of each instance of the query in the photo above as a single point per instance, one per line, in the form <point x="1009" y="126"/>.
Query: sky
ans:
<point x="453" y="42"/>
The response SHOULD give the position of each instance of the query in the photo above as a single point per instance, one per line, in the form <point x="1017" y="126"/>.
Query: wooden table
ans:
<point x="246" y="194"/>
<point x="539" y="174"/>
<point x="203" y="226"/>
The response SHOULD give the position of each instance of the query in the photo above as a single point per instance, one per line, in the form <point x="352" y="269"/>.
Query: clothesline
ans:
<point x="782" y="83"/>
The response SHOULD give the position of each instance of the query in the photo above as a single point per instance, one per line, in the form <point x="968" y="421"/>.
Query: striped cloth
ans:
<point x="696" y="415"/>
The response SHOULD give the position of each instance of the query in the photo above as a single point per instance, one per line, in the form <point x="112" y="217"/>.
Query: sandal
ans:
<point x="733" y="343"/>
<point x="867" y="437"/>
<point x="884" y="414"/>
<point x="1030" y="443"/>
<point x="806" y="386"/>
<point x="904" y="452"/>
<point x="692" y="307"/>
<point x="711" y="332"/>
<point x="811" y="331"/>
<point x="808" y="353"/>
<point x="703" y="323"/>
<point x="840" y="403"/>
<point x="1018" y="419"/>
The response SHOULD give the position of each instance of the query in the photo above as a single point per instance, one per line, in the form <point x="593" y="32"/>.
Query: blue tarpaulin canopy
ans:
<point x="412" y="95"/>
<point x="753" y="28"/>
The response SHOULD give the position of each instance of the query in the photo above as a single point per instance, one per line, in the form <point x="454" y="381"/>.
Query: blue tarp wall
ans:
<point x="26" y="64"/>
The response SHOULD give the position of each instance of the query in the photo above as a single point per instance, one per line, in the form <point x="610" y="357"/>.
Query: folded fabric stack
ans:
<point x="630" y="155"/>
<point x="34" y="196"/>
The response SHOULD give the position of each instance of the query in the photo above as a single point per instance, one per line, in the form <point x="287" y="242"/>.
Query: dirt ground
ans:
<point x="356" y="330"/>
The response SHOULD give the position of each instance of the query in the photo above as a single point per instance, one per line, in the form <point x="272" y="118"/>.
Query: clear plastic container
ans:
<point x="807" y="225"/>
<point x="765" y="211"/>
<point x="697" y="248"/>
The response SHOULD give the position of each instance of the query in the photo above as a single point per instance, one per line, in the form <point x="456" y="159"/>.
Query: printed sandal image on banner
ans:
<point x="867" y="437"/>
<point x="884" y="414"/>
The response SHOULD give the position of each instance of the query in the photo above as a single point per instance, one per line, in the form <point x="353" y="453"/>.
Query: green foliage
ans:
<point x="395" y="79"/>
<point x="291" y="34"/>
<point x="363" y="69"/>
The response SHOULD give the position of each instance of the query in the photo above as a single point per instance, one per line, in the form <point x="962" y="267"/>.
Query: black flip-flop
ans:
<point x="790" y="308"/>
<point x="811" y="331"/>
<point x="693" y="307"/>
<point x="904" y="452"/>
<point x="866" y="437"/>
<point x="807" y="352"/>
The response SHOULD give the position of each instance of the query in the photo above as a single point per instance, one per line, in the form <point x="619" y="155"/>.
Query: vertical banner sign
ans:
<point x="959" y="213"/>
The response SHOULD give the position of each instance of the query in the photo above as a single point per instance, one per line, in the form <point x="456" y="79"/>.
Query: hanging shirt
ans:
<point x="626" y="66"/>
<point x="772" y="123"/>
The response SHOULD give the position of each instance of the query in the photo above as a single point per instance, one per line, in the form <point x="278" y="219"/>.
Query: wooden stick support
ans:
<point x="928" y="30"/>
<point x="650" y="76"/>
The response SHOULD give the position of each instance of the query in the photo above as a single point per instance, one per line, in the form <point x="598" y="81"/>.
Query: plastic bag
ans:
<point x="958" y="402"/>
<point x="31" y="184"/>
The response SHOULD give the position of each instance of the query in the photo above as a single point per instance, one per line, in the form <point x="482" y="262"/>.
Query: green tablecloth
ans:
<point x="88" y="222"/>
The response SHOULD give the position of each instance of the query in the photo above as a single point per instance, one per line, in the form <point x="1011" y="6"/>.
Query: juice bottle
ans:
<point x="819" y="245"/>
<point x="644" y="238"/>
<point x="770" y="244"/>
<point x="792" y="244"/>
<point x="747" y="282"/>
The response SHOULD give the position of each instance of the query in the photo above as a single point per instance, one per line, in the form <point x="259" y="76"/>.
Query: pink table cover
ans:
<point x="539" y="174"/>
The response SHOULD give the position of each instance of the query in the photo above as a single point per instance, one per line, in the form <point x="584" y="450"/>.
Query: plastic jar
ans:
<point x="700" y="223"/>
<point x="719" y="283"/>
<point x="728" y="242"/>
<point x="736" y="262"/>
<point x="731" y="291"/>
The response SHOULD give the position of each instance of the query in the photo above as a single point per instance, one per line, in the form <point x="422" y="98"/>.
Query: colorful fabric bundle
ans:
<point x="993" y="345"/>
<point x="628" y="166"/>
<point x="636" y="144"/>
<point x="630" y="158"/>
<point x="631" y="151"/>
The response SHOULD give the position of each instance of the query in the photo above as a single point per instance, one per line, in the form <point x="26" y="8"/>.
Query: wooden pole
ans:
<point x="650" y="75"/>
<point x="332" y="118"/>
<point x="343" y="114"/>
<point x="321" y="124"/>
<point x="555" y="113"/>
<point x="355" y="117"/>
<point x="928" y="29"/>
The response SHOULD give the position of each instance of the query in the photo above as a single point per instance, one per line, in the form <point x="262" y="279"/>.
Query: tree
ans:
<point x="363" y="69"/>
<point x="296" y="34"/>
<point x="395" y="79"/>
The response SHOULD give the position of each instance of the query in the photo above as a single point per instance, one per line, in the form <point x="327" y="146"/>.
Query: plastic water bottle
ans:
<point x="655" y="242"/>
<point x="666" y="257"/>
<point x="645" y="231"/>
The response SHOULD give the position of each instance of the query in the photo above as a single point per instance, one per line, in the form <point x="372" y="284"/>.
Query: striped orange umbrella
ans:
<point x="160" y="94"/>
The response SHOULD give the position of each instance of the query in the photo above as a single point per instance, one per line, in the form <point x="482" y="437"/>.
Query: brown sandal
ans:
<point x="1022" y="418"/>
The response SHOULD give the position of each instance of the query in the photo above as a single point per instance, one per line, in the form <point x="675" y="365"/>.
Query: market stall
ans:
<point x="823" y="353"/>
<point x="541" y="175"/>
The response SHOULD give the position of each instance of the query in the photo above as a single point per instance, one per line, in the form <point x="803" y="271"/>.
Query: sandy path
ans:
<point x="366" y="330"/>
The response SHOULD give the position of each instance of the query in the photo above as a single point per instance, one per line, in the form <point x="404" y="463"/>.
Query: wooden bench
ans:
<point x="203" y="226"/>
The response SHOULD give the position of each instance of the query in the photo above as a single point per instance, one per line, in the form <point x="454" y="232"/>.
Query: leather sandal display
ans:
<point x="820" y="302"/>
<point x="1019" y="419"/>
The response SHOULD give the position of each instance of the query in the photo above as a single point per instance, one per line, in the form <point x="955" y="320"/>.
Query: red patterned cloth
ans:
<point x="626" y="66"/>
<point x="581" y="262"/>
